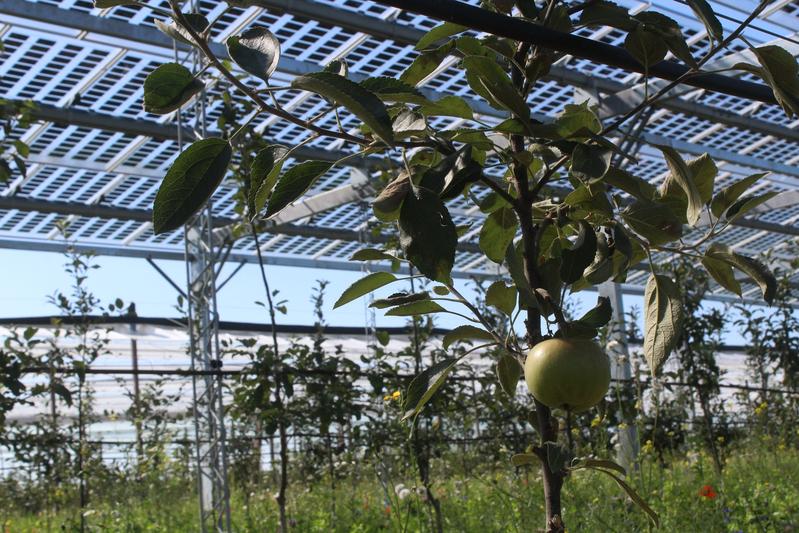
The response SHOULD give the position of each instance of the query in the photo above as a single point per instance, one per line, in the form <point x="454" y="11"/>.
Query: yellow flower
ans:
<point x="648" y="447"/>
<point x="596" y="422"/>
<point x="760" y="408"/>
<point x="387" y="397"/>
<point x="623" y="425"/>
<point x="395" y="395"/>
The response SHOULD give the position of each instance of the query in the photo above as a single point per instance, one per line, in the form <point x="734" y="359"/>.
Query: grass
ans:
<point x="758" y="492"/>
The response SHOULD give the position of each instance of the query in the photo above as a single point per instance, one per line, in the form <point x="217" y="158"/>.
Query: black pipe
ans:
<point x="599" y="52"/>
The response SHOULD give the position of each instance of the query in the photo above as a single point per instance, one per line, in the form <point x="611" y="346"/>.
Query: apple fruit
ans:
<point x="567" y="373"/>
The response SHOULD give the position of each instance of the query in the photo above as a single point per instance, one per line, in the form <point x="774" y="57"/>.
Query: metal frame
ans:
<point x="335" y="27"/>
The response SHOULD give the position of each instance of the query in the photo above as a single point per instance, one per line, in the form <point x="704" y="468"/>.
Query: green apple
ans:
<point x="567" y="373"/>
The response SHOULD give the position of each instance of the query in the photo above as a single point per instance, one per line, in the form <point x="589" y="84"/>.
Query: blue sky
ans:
<point x="29" y="277"/>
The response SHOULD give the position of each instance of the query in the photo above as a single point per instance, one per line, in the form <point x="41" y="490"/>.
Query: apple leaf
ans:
<point x="753" y="268"/>
<point x="257" y="51"/>
<point x="168" y="87"/>
<point x="172" y="29"/>
<point x="577" y="258"/>
<point x="293" y="184"/>
<point x="683" y="177"/>
<point x="508" y="373"/>
<point x="502" y="296"/>
<point x="190" y="182"/>
<point x="264" y="171"/>
<point x="730" y="194"/>
<point x="361" y="102"/>
<point x="425" y="385"/>
<point x="364" y="286"/>
<point x="662" y="320"/>
<point x="497" y="233"/>
<point x="464" y="333"/>
<point x="427" y="235"/>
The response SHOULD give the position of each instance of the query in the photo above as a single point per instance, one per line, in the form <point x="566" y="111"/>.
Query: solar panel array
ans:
<point x="74" y="65"/>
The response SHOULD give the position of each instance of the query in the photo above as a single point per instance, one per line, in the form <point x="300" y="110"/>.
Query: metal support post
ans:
<point x="620" y="369"/>
<point x="134" y="357"/>
<point x="214" y="492"/>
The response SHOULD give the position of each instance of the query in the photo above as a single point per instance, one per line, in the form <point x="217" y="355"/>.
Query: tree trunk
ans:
<point x="553" y="481"/>
<point x="284" y="468"/>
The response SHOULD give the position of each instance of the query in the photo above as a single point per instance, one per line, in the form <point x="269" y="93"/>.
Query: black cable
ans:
<point x="350" y="374"/>
<point x="580" y="47"/>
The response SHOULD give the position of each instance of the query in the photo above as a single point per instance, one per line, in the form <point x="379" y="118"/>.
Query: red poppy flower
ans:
<point x="707" y="492"/>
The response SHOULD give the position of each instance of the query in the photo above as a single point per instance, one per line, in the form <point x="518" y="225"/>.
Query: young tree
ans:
<point x="561" y="216"/>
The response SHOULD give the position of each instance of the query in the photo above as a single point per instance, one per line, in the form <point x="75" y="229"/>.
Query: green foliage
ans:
<point x="256" y="50"/>
<point x="557" y="221"/>
<point x="663" y="320"/>
<point x="427" y="234"/>
<point x="168" y="87"/>
<point x="361" y="102"/>
<point x="190" y="182"/>
<point x="293" y="183"/>
<point x="177" y="32"/>
<point x="363" y="286"/>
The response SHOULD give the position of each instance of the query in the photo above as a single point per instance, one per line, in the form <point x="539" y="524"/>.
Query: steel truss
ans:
<point x="208" y="409"/>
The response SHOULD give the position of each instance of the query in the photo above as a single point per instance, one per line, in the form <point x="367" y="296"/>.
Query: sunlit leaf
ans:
<point x="663" y="317"/>
<point x="364" y="286"/>
<point x="502" y="296"/>
<point x="497" y="233"/>
<point x="425" y="63"/>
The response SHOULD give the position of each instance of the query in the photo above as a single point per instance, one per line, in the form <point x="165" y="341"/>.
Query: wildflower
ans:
<point x="387" y="510"/>
<point x="648" y="447"/>
<point x="596" y="421"/>
<point x="623" y="426"/>
<point x="398" y="487"/>
<point x="708" y="492"/>
<point x="761" y="408"/>
<point x="393" y="396"/>
<point x="404" y="493"/>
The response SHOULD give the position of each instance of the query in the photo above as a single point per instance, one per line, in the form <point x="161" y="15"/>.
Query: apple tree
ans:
<point x="561" y="213"/>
